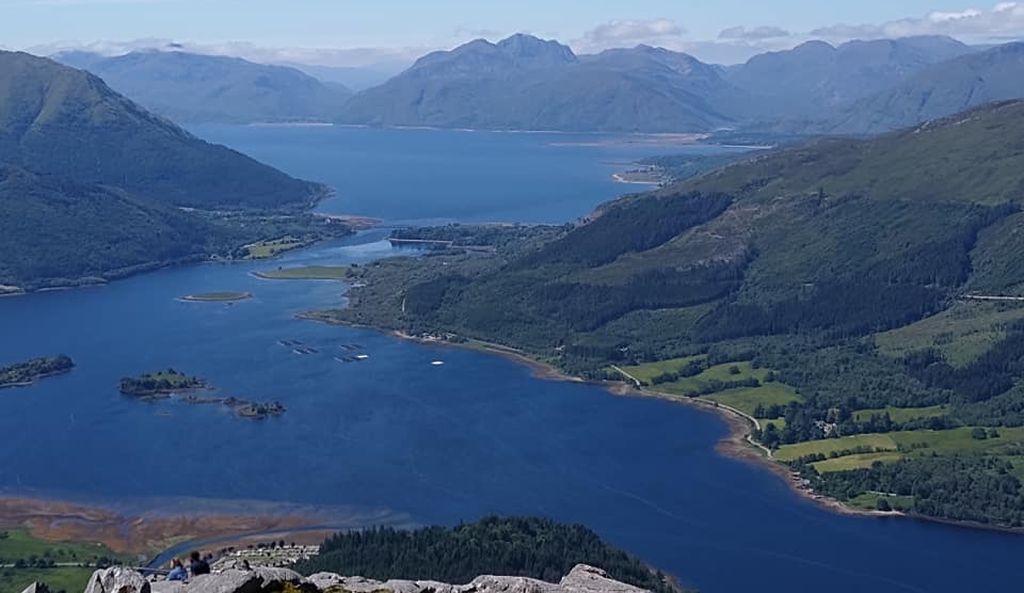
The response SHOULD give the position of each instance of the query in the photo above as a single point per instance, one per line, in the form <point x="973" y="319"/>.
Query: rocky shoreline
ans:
<point x="581" y="579"/>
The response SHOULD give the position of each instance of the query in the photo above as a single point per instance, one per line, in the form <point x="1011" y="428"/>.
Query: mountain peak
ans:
<point x="533" y="51"/>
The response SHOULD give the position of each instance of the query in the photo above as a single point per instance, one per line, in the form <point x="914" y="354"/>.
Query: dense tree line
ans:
<point x="530" y="547"/>
<point x="961" y="487"/>
<point x="988" y="376"/>
<point x="632" y="226"/>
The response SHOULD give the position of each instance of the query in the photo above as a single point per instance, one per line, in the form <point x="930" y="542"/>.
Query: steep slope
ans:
<point x="64" y="232"/>
<point x="55" y="120"/>
<point x="975" y="156"/>
<point x="525" y="83"/>
<point x="815" y="78"/>
<point x="93" y="187"/>
<point x="192" y="88"/>
<point x="943" y="89"/>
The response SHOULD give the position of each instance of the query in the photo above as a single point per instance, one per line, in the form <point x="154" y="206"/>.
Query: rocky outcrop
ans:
<point x="257" y="580"/>
<point x="37" y="588"/>
<point x="117" y="580"/>
<point x="582" y="579"/>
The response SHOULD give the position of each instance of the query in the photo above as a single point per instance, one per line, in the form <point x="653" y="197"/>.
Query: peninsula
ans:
<point x="26" y="373"/>
<point x="309" y="273"/>
<point x="217" y="297"/>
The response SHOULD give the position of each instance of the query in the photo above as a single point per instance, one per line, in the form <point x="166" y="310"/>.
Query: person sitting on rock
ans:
<point x="198" y="566"/>
<point x="178" y="572"/>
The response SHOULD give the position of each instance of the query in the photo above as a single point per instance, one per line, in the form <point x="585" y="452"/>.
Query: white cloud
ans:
<point x="661" y="32"/>
<point x="1004" y="20"/>
<point x="352" y="57"/>
<point x="754" y="33"/>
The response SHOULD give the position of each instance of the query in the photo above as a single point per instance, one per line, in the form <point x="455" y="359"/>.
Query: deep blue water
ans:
<point x="396" y="438"/>
<point x="402" y="175"/>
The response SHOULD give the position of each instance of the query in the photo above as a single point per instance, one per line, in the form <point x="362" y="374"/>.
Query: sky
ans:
<point x="362" y="32"/>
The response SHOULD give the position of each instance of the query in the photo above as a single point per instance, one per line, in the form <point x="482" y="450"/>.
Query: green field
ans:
<point x="780" y="423"/>
<point x="746" y="399"/>
<point x="17" y="545"/>
<point x="217" y="297"/>
<point x="856" y="461"/>
<point x="910" y="442"/>
<point x="648" y="371"/>
<point x="307" y="273"/>
<point x="826" y="447"/>
<point x="62" y="578"/>
<point x="722" y="372"/>
<point x="869" y="501"/>
<point x="272" y="248"/>
<point x="961" y="333"/>
<point x="902" y="414"/>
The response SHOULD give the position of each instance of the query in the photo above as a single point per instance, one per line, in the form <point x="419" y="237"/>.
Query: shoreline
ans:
<point x="738" y="444"/>
<point x="146" y="533"/>
<point x="36" y="379"/>
<point x="620" y="178"/>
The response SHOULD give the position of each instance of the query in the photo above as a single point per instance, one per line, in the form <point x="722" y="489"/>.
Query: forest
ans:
<point x="529" y="547"/>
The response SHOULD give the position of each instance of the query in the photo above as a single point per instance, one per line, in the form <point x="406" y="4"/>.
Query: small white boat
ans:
<point x="362" y="356"/>
<point x="437" y="363"/>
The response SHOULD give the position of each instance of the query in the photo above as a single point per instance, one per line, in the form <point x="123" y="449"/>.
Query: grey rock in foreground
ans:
<point x="117" y="580"/>
<point x="581" y="579"/>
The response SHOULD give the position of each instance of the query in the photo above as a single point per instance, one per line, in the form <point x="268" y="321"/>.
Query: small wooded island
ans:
<point x="168" y="383"/>
<point x="26" y="373"/>
<point x="160" y="383"/>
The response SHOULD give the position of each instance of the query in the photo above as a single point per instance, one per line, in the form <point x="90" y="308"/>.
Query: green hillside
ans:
<point x="55" y="120"/>
<point x="787" y="265"/>
<point x="93" y="187"/>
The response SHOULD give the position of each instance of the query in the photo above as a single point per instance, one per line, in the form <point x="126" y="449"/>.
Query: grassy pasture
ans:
<point x="857" y="461"/>
<point x="902" y="414"/>
<point x="648" y="371"/>
<point x="307" y="273"/>
<point x="272" y="248"/>
<point x="746" y="399"/>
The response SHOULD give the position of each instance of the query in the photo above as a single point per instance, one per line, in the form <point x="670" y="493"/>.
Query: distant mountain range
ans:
<point x="91" y="183"/>
<point x="942" y="89"/>
<point x="814" y="79"/>
<point x="192" y="88"/>
<point x="526" y="83"/>
<point x="529" y="84"/>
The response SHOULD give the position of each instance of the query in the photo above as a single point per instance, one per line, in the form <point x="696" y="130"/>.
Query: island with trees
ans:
<point x="26" y="373"/>
<point x="160" y="383"/>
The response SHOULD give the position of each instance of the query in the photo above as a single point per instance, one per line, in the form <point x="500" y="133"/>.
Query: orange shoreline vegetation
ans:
<point x="58" y="521"/>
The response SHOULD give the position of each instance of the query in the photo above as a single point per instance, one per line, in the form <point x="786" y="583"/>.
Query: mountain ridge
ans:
<point x="195" y="88"/>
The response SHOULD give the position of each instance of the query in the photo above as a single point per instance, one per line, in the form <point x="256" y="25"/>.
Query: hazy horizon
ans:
<point x="323" y="33"/>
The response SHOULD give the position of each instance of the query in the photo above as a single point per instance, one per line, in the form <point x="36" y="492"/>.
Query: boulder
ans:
<point x="37" y="588"/>
<point x="229" y="581"/>
<point x="117" y="580"/>
<point x="273" y="576"/>
<point x="326" y="580"/>
<point x="495" y="584"/>
<point x="402" y="586"/>
<point x="168" y="587"/>
<point x="588" y="579"/>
